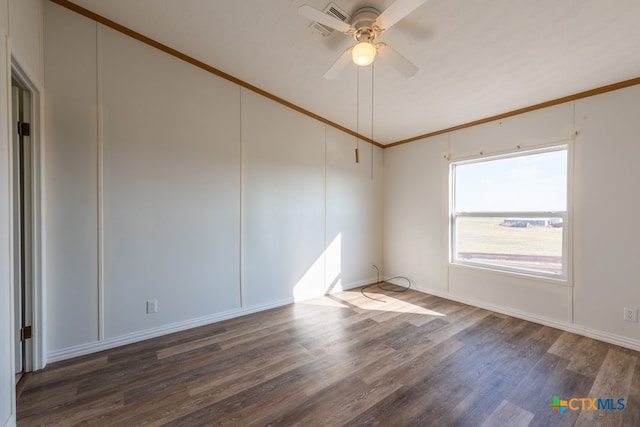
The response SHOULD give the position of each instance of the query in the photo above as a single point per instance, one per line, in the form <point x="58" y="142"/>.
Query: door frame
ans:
<point x="22" y="225"/>
<point x="35" y="356"/>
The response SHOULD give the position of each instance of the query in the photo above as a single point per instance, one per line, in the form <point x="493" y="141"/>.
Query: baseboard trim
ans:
<point x="607" y="337"/>
<point x="109" y="343"/>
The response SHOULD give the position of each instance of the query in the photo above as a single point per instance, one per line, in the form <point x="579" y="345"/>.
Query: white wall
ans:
<point x="165" y="182"/>
<point x="283" y="202"/>
<point x="25" y="31"/>
<point x="171" y="187"/>
<point x="604" y="156"/>
<point x="71" y="181"/>
<point x="415" y="191"/>
<point x="20" y="37"/>
<point x="540" y="127"/>
<point x="354" y="211"/>
<point x="4" y="18"/>
<point x="311" y="216"/>
<point x="607" y="236"/>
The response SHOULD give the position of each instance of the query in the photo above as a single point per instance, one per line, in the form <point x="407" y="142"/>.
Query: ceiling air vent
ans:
<point x="335" y="11"/>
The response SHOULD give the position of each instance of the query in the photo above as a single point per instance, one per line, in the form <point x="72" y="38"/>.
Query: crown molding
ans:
<point x="574" y="97"/>
<point x="197" y="63"/>
<point x="206" y="67"/>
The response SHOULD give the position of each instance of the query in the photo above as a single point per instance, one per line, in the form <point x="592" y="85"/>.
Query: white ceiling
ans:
<point x="477" y="58"/>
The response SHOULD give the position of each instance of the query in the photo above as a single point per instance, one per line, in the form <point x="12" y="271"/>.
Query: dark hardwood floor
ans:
<point x="402" y="359"/>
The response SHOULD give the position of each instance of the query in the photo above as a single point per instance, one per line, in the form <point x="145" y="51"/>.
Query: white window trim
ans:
<point x="565" y="278"/>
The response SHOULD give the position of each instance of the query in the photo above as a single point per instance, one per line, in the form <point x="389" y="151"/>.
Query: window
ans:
<point x="510" y="212"/>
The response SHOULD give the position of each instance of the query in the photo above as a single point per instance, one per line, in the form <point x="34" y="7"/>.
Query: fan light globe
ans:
<point x="363" y="53"/>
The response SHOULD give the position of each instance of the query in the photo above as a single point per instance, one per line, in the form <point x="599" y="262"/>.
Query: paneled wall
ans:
<point x="20" y="39"/>
<point x="606" y="194"/>
<point x="415" y="191"/>
<point x="170" y="207"/>
<point x="167" y="183"/>
<point x="283" y="201"/>
<point x="602" y="131"/>
<point x="71" y="119"/>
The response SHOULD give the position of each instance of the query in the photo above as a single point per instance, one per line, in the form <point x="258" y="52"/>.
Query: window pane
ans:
<point x="530" y="186"/>
<point x="533" y="243"/>
<point x="532" y="182"/>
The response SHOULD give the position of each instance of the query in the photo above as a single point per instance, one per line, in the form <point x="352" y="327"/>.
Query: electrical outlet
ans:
<point x="152" y="306"/>
<point x="630" y="314"/>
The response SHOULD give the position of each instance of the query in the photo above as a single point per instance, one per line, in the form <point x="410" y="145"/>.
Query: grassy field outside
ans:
<point x="487" y="241"/>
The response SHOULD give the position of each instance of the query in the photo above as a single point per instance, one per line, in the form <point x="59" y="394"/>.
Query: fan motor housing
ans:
<point x="363" y="19"/>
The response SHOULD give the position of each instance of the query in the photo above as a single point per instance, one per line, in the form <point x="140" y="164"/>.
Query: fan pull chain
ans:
<point x="357" y="115"/>
<point x="372" y="86"/>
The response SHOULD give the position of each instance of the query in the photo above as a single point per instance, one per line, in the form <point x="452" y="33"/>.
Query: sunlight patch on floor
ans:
<point x="323" y="301"/>
<point x="376" y="301"/>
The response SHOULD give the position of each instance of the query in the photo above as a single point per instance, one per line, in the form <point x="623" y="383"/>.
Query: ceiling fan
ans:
<point x="367" y="24"/>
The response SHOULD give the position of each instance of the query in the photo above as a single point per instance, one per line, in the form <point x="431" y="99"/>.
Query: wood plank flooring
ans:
<point x="345" y="359"/>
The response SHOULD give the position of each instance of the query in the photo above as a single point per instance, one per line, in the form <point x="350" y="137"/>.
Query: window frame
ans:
<point x="564" y="276"/>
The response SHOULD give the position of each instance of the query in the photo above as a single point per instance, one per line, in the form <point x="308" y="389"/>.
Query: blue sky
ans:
<point x="533" y="182"/>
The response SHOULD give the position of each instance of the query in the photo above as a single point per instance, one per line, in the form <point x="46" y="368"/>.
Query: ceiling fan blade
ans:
<point x="339" y="65"/>
<point x="322" y="18"/>
<point x="397" y="61"/>
<point x="398" y="10"/>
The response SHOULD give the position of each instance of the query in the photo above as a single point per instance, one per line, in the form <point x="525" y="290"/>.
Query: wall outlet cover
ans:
<point x="152" y="306"/>
<point x="630" y="314"/>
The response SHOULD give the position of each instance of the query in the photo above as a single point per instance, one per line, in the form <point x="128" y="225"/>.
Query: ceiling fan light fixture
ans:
<point x="363" y="53"/>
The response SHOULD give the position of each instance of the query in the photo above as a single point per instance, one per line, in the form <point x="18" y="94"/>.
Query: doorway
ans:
<point x="23" y="223"/>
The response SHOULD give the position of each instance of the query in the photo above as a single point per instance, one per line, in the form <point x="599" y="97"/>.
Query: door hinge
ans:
<point x="26" y="333"/>
<point x="24" y="129"/>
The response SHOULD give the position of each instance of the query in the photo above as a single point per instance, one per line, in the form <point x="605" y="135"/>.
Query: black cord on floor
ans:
<point x="379" y="284"/>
